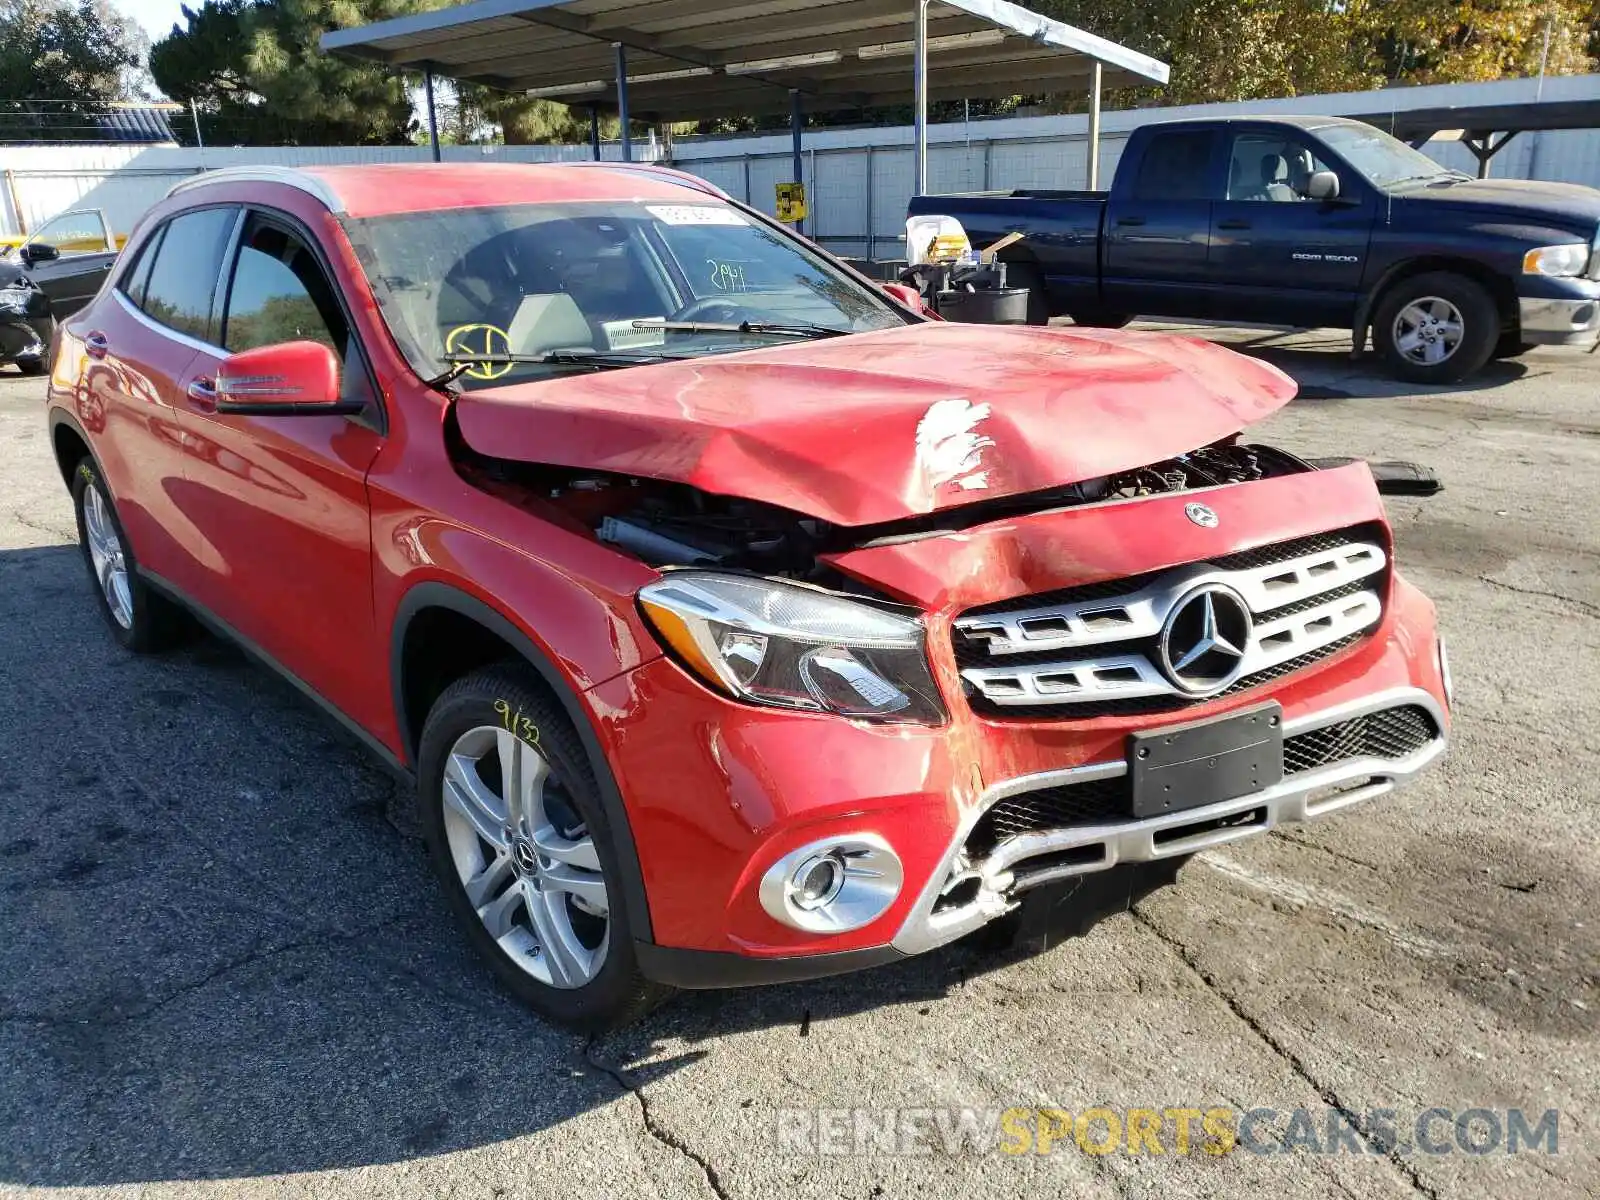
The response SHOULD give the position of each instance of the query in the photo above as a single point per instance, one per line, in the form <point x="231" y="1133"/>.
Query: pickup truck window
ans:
<point x="1384" y="161"/>
<point x="533" y="279"/>
<point x="1176" y="166"/>
<point x="1270" y="166"/>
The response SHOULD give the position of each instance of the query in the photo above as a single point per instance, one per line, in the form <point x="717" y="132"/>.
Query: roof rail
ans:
<point x="672" y="173"/>
<point x="287" y="176"/>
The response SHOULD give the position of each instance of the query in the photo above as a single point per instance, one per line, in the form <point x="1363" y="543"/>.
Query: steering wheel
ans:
<point x="711" y="308"/>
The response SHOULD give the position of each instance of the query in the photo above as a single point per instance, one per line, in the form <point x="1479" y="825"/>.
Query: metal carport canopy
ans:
<point x="693" y="59"/>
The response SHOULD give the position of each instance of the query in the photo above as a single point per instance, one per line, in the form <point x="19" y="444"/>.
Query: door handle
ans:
<point x="96" y="344"/>
<point x="204" y="394"/>
<point x="1130" y="220"/>
<point x="1235" y="224"/>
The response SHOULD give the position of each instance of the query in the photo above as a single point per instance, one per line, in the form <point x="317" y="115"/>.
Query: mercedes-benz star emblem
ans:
<point x="1204" y="641"/>
<point x="526" y="858"/>
<point x="1202" y="515"/>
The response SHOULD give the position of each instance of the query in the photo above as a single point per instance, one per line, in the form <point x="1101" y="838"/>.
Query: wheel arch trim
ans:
<point x="1478" y="272"/>
<point x="436" y="594"/>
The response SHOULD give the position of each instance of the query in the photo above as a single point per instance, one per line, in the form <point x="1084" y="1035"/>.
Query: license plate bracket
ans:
<point x="1179" y="767"/>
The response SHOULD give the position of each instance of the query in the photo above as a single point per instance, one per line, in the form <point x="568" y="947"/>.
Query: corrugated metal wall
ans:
<point x="858" y="180"/>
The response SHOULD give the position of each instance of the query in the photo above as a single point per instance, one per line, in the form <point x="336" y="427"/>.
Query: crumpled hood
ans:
<point x="881" y="426"/>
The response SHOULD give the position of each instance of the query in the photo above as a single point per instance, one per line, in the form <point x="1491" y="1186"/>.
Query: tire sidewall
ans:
<point x="85" y="475"/>
<point x="1480" y="319"/>
<point x="469" y="703"/>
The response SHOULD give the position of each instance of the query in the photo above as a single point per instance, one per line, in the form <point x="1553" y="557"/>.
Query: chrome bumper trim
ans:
<point x="1295" y="799"/>
<point x="1547" y="322"/>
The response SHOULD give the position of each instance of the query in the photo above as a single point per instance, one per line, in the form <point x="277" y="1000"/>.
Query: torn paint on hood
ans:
<point x="887" y="425"/>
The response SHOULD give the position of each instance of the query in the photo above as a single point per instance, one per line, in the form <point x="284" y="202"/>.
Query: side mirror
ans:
<point x="38" y="252"/>
<point x="287" y="379"/>
<point x="1323" y="185"/>
<point x="906" y="295"/>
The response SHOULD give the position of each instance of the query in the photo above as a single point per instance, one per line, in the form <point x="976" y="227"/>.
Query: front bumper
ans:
<point x="1035" y="859"/>
<point x="1570" y="320"/>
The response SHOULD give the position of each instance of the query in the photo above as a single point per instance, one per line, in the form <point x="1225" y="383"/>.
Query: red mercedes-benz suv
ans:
<point x="736" y="621"/>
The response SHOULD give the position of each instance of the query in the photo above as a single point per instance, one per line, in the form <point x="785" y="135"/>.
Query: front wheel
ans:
<point x="1511" y="345"/>
<point x="1436" y="328"/>
<point x="513" y="823"/>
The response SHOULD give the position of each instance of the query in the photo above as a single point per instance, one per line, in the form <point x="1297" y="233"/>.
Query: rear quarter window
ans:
<point x="183" y="274"/>
<point x="1176" y="166"/>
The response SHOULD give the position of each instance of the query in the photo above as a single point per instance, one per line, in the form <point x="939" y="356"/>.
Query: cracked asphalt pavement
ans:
<point x="226" y="972"/>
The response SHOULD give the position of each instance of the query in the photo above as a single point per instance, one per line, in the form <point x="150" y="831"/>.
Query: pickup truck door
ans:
<point x="1158" y="221"/>
<point x="1276" y="255"/>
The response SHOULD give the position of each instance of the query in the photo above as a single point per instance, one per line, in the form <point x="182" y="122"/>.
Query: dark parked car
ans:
<point x="69" y="257"/>
<point x="25" y="322"/>
<point x="1310" y="221"/>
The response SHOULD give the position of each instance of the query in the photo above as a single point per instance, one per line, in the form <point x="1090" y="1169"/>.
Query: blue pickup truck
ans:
<point x="1307" y="221"/>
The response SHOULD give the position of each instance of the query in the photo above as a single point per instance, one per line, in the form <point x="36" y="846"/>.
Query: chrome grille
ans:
<point x="1097" y="649"/>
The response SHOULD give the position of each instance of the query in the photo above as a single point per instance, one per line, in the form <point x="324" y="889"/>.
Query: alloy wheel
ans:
<point x="1428" y="330"/>
<point x="105" y="554"/>
<point x="525" y="859"/>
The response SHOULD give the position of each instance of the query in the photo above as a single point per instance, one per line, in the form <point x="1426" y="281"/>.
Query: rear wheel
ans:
<point x="1027" y="275"/>
<point x="32" y="364"/>
<point x="1100" y="320"/>
<point x="1436" y="328"/>
<point x="139" y="618"/>
<point x="512" y="819"/>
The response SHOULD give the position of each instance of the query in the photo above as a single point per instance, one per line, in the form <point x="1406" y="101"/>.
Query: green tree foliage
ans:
<point x="257" y="74"/>
<point x="56" y="52"/>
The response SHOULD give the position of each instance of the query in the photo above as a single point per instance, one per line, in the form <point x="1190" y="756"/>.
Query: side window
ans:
<point x="1176" y="166"/>
<point x="136" y="275"/>
<point x="74" y="233"/>
<point x="1270" y="167"/>
<point x="183" y="277"/>
<point x="280" y="294"/>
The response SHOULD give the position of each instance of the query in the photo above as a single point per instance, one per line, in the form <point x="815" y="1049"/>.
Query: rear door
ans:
<point x="1157" y="226"/>
<point x="139" y="339"/>
<point x="281" y="500"/>
<point x="1278" y="256"/>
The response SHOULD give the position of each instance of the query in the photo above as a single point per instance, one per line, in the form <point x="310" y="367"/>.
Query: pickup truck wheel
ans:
<point x="513" y="823"/>
<point x="1511" y="345"/>
<point x="32" y="364"/>
<point x="1436" y="328"/>
<point x="140" y="619"/>
<point x="1095" y="320"/>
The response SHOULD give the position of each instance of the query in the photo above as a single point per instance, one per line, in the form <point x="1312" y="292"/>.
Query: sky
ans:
<point x="155" y="16"/>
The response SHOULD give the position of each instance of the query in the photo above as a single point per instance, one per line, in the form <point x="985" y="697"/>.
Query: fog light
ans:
<point x="1444" y="676"/>
<point x="833" y="886"/>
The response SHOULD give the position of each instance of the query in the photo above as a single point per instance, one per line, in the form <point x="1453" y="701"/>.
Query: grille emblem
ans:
<point x="1202" y="515"/>
<point x="1204" y="641"/>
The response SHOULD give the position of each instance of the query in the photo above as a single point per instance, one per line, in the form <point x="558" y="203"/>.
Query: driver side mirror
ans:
<point x="905" y="294"/>
<point x="1323" y="185"/>
<point x="38" y="252"/>
<point x="287" y="379"/>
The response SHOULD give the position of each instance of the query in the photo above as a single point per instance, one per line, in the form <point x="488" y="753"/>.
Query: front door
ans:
<point x="1278" y="256"/>
<point x="283" y="499"/>
<point x="85" y="255"/>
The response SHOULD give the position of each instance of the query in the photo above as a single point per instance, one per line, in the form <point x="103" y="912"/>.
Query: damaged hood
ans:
<point x="883" y="426"/>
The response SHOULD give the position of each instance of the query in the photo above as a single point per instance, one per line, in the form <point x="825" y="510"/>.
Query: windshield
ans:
<point x="1385" y="161"/>
<point x="601" y="284"/>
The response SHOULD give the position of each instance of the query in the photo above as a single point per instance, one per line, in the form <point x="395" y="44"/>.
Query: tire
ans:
<point x="1436" y="328"/>
<point x="1102" y="320"/>
<point x="139" y="618"/>
<point x="1511" y="345"/>
<point x="540" y="874"/>
<point x="1029" y="276"/>
<point x="32" y="365"/>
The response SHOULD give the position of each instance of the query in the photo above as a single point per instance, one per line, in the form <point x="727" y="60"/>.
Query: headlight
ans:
<point x="15" y="299"/>
<point x="790" y="647"/>
<point x="1556" y="260"/>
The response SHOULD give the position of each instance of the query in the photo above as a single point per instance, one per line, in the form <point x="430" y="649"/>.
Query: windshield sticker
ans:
<point x="624" y="335"/>
<point x="727" y="276"/>
<point x="949" y="448"/>
<point x="695" y="214"/>
<point x="489" y="340"/>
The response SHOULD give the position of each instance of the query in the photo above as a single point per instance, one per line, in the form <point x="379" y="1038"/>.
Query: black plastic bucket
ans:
<point x="993" y="306"/>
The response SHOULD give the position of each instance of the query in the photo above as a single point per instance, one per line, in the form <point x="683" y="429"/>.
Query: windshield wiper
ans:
<point x="460" y="364"/>
<point x="778" y="328"/>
